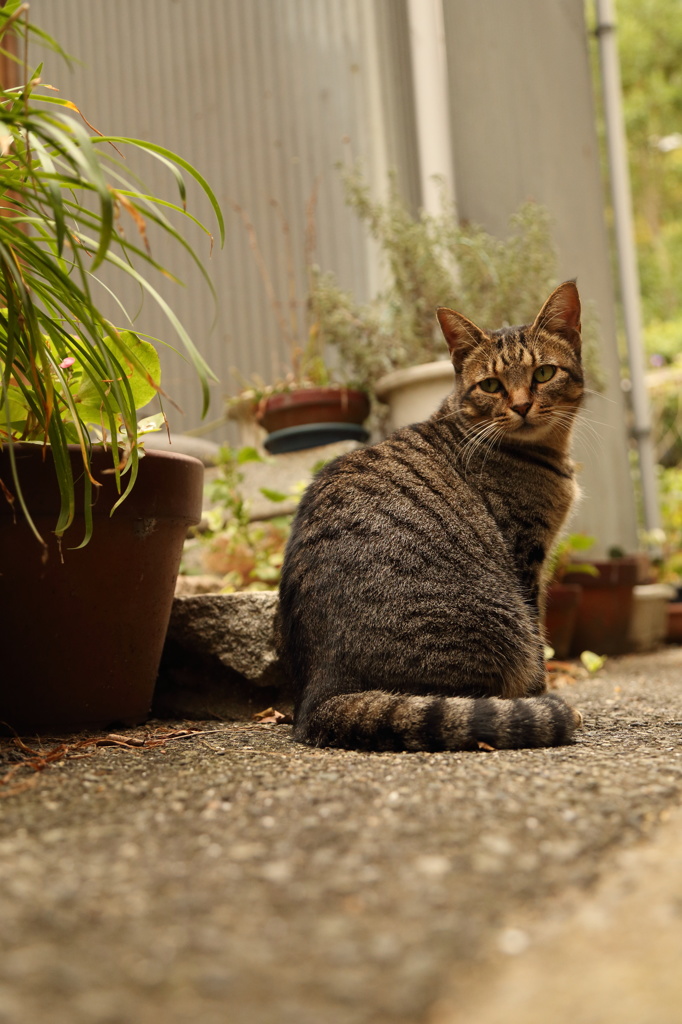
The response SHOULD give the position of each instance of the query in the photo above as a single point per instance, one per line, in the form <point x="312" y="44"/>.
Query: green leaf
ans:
<point x="592" y="662"/>
<point x="151" y="424"/>
<point x="171" y="159"/>
<point x="145" y="378"/>
<point x="581" y="542"/>
<point x="138" y="360"/>
<point x="273" y="495"/>
<point x="585" y="568"/>
<point x="248" y="454"/>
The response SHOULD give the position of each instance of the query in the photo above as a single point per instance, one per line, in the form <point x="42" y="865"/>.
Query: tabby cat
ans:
<point x="412" y="587"/>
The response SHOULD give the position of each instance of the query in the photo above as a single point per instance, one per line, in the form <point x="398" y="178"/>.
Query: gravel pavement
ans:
<point x="221" y="874"/>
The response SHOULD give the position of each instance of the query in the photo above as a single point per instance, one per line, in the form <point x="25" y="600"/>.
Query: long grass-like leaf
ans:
<point x="171" y="159"/>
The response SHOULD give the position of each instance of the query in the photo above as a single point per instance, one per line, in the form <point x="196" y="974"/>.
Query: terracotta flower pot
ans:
<point x="674" y="625"/>
<point x="308" y="417"/>
<point x="561" y="613"/>
<point x="605" y="610"/>
<point x="83" y="632"/>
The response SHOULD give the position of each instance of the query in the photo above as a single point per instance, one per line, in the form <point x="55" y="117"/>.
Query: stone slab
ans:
<point x="221" y="656"/>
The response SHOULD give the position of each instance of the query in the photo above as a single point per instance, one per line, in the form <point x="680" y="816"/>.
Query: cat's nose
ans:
<point x="522" y="408"/>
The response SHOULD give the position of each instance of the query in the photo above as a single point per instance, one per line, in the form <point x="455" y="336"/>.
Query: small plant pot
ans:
<point x="605" y="609"/>
<point x="674" y="623"/>
<point x="83" y="630"/>
<point x="313" y="405"/>
<point x="310" y="417"/>
<point x="561" y="613"/>
<point x="649" y="621"/>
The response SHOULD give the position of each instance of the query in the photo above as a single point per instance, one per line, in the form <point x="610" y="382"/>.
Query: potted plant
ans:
<point x="606" y="604"/>
<point x="309" y="405"/>
<point x="562" y="599"/>
<point x="91" y="526"/>
<point x="231" y="550"/>
<point x="392" y="344"/>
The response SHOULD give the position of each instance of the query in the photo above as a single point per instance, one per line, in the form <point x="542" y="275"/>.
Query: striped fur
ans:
<point x="412" y="590"/>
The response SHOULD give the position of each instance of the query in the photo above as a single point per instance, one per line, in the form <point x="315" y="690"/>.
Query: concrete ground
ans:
<point x="212" y="873"/>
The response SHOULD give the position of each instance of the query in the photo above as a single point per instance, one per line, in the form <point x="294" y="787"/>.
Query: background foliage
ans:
<point x="650" y="46"/>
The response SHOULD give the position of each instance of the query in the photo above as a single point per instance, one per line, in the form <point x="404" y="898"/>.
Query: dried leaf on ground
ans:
<point x="563" y="673"/>
<point x="272" y="717"/>
<point x="36" y="757"/>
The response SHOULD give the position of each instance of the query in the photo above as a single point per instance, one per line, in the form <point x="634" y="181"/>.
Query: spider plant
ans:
<point x="69" y="376"/>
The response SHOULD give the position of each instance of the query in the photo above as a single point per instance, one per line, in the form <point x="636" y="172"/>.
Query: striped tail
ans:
<point x="376" y="720"/>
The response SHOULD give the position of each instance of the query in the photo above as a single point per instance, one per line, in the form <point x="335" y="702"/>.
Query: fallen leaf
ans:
<point x="272" y="717"/>
<point x="592" y="662"/>
<point x="563" y="673"/>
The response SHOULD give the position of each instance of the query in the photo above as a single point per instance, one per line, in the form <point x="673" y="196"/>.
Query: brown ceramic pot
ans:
<point x="84" y="629"/>
<point x="603" y="622"/>
<point x="561" y="613"/>
<point x="674" y="632"/>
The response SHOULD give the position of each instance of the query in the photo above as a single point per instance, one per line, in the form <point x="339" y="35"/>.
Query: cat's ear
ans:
<point x="461" y="335"/>
<point x="561" y="314"/>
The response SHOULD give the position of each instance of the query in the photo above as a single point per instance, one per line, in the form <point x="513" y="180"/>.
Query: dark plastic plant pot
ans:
<point x="83" y="633"/>
<point x="310" y="435"/>
<point x="605" y="610"/>
<point x="313" y="405"/>
<point x="561" y="614"/>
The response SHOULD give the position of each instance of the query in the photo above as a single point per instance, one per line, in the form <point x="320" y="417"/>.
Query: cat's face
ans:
<point x="521" y="382"/>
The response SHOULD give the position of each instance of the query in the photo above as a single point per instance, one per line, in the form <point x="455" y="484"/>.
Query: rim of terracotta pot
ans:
<point x="183" y="500"/>
<point x="317" y="396"/>
<point x="616" y="572"/>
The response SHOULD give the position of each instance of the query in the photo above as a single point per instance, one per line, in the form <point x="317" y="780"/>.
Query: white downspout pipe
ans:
<point x="430" y="82"/>
<point x="621" y="196"/>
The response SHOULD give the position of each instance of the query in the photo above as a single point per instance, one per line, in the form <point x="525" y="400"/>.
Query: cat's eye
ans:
<point x="490" y="385"/>
<point x="544" y="373"/>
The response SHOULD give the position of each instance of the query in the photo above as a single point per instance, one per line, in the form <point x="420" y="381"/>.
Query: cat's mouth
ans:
<point x="527" y="428"/>
<point x="523" y="423"/>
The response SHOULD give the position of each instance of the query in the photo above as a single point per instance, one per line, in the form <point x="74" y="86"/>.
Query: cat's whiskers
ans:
<point x="481" y="436"/>
<point x="599" y="394"/>
<point x="566" y="420"/>
<point x="548" y="321"/>
<point x="496" y="442"/>
<point x="473" y="439"/>
<point x="588" y="435"/>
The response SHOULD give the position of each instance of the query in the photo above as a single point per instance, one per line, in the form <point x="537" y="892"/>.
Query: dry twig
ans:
<point x="37" y="758"/>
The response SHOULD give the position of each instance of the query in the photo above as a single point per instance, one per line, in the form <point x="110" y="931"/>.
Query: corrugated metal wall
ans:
<point x="265" y="97"/>
<point x="528" y="131"/>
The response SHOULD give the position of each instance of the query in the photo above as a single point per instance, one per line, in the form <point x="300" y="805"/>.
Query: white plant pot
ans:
<point x="412" y="395"/>
<point x="649" y="620"/>
<point x="251" y="434"/>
